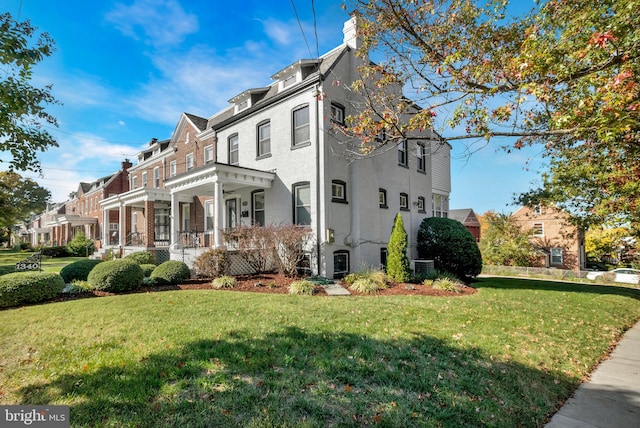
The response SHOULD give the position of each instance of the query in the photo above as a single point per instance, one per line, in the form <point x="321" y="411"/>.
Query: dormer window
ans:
<point x="289" y="81"/>
<point x="242" y="106"/>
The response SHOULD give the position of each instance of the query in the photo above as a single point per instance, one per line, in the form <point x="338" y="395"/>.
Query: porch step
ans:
<point x="335" y="290"/>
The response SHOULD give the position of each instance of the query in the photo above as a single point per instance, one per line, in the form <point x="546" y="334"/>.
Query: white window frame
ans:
<point x="404" y="201"/>
<point x="188" y="162"/>
<point x="421" y="152"/>
<point x="556" y="256"/>
<point x="234" y="153"/>
<point x="156" y="177"/>
<point x="338" y="191"/>
<point x="255" y="210"/>
<point x="299" y="128"/>
<point x="297" y="207"/>
<point x="263" y="143"/>
<point x="208" y="153"/>
<point x="208" y="215"/>
<point x="403" y="159"/>
<point x="134" y="182"/>
<point x="337" y="113"/>
<point x="173" y="168"/>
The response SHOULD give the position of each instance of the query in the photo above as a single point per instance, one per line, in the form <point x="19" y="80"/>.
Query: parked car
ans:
<point x="626" y="275"/>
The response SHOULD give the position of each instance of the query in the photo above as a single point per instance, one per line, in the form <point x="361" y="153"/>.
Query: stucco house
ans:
<point x="274" y="157"/>
<point x="560" y="243"/>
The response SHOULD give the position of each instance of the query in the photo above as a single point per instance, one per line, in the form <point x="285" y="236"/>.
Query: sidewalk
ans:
<point x="611" y="398"/>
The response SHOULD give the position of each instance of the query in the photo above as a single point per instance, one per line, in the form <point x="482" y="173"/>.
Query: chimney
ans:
<point x="126" y="165"/>
<point x="350" y="31"/>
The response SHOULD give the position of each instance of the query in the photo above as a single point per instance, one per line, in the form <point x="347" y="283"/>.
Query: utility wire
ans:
<point x="301" y="29"/>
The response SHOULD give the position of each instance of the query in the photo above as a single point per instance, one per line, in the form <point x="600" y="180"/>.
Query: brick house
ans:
<point x="273" y="157"/>
<point x="83" y="210"/>
<point x="560" y="244"/>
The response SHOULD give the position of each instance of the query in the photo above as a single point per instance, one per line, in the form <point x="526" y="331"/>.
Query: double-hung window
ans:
<point x="189" y="161"/>
<point x="421" y="156"/>
<point x="233" y="150"/>
<point x="302" y="204"/>
<point x="402" y="153"/>
<point x="144" y="179"/>
<point x="173" y="168"/>
<point x="404" y="202"/>
<point x="208" y="154"/>
<point x="264" y="139"/>
<point x="156" y="177"/>
<point x="556" y="256"/>
<point x="338" y="191"/>
<point x="257" y="203"/>
<point x="208" y="215"/>
<point x="382" y="196"/>
<point x="301" y="126"/>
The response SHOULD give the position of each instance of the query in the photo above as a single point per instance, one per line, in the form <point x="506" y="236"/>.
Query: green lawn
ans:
<point x="8" y="260"/>
<point x="507" y="356"/>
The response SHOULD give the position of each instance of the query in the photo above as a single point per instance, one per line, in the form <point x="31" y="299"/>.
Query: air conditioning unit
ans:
<point x="422" y="267"/>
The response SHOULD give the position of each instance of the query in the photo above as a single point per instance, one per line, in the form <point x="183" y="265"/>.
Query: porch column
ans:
<point x="217" y="216"/>
<point x="150" y="220"/>
<point x="105" y="228"/>
<point x="175" y="218"/>
<point x="121" y="232"/>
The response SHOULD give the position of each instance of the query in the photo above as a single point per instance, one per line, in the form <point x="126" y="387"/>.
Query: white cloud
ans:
<point x="159" y="23"/>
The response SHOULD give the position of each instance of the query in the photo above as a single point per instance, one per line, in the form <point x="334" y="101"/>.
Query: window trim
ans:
<point x="189" y="159"/>
<point x="341" y="274"/>
<point x="306" y="142"/>
<point x="403" y="158"/>
<point x="259" y="153"/>
<point x="210" y="149"/>
<point x="156" y="177"/>
<point x="421" y="201"/>
<point x="338" y="199"/>
<point x="236" y="151"/>
<point x="253" y="206"/>
<point x="337" y="107"/>
<point x="173" y="168"/>
<point x="421" y="155"/>
<point x="209" y="203"/>
<point x="382" y="192"/>
<point x="294" y="193"/>
<point x="145" y="179"/>
<point x="551" y="256"/>
<point x="404" y="207"/>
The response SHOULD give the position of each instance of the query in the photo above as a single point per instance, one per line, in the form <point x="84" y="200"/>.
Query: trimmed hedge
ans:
<point x="29" y="287"/>
<point x="78" y="270"/>
<point x="147" y="269"/>
<point x="171" y="272"/>
<point x="116" y="276"/>
<point x="142" y="258"/>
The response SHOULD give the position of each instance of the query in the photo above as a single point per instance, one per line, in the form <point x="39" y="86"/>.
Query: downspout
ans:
<point x="317" y="93"/>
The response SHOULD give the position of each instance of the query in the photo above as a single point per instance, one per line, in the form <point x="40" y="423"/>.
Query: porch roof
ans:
<point x="136" y="197"/>
<point x="73" y="220"/>
<point x="199" y="181"/>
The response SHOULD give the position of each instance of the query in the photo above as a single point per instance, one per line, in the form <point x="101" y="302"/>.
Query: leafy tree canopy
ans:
<point x="503" y="242"/>
<point x="19" y="198"/>
<point x="563" y="75"/>
<point x="22" y="112"/>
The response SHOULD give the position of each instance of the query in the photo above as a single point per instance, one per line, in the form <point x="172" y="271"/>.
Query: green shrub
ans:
<point x="398" y="267"/>
<point x="450" y="245"/>
<point x="116" y="276"/>
<point x="142" y="258"/>
<point x="80" y="246"/>
<point x="55" y="251"/>
<point x="224" y="282"/>
<point x="171" y="272"/>
<point x="78" y="270"/>
<point x="378" y="277"/>
<point x="366" y="285"/>
<point x="29" y="287"/>
<point x="212" y="263"/>
<point x="302" y="287"/>
<point x="147" y="269"/>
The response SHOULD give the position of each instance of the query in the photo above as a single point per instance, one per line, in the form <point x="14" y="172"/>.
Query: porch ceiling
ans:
<point x="200" y="181"/>
<point x="137" y="198"/>
<point x="73" y="220"/>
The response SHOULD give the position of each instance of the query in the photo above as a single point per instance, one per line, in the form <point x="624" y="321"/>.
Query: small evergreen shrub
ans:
<point x="302" y="287"/>
<point x="80" y="246"/>
<point x="212" y="263"/>
<point x="224" y="282"/>
<point x="142" y="258"/>
<point x="29" y="287"/>
<point x="78" y="270"/>
<point x="171" y="272"/>
<point x="398" y="266"/>
<point x="147" y="269"/>
<point x="116" y="276"/>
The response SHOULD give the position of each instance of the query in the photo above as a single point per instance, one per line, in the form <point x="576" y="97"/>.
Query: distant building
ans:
<point x="560" y="243"/>
<point x="468" y="218"/>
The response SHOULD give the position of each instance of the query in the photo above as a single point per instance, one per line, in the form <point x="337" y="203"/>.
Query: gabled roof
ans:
<point x="465" y="216"/>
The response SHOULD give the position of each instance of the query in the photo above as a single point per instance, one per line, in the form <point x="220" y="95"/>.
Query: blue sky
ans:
<point x="125" y="70"/>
